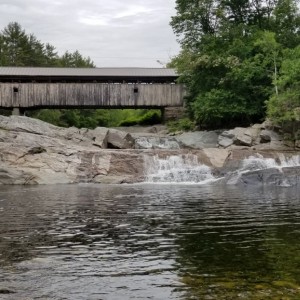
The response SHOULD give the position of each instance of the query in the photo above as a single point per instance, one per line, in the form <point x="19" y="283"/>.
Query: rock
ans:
<point x="267" y="136"/>
<point x="198" y="139"/>
<point x="226" y="139"/>
<point x="34" y="152"/>
<point x="10" y="176"/>
<point x="224" y="142"/>
<point x="228" y="134"/>
<point x="267" y="124"/>
<point x="255" y="178"/>
<point x="156" y="143"/>
<point x="119" y="139"/>
<point x="24" y="124"/>
<point x="100" y="137"/>
<point x="217" y="157"/>
<point x="116" y="179"/>
<point x="156" y="129"/>
<point x="242" y="137"/>
<point x="6" y="291"/>
<point x="258" y="126"/>
<point x="289" y="176"/>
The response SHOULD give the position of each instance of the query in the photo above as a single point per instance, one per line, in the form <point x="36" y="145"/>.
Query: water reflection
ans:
<point x="149" y="242"/>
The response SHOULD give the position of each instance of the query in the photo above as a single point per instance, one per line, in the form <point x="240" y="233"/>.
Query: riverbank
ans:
<point x="35" y="152"/>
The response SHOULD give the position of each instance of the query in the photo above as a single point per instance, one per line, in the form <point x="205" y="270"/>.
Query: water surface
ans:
<point x="149" y="242"/>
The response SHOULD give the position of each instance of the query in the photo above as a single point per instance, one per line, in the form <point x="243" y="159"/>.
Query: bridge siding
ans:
<point x="90" y="94"/>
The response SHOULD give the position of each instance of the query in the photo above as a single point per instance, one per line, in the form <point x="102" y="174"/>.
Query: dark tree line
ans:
<point x="239" y="60"/>
<point x="17" y="48"/>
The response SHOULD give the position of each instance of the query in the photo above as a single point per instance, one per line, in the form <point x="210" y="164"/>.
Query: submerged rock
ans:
<point x="286" y="177"/>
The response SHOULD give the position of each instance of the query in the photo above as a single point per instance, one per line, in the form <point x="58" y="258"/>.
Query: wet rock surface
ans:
<point x="35" y="152"/>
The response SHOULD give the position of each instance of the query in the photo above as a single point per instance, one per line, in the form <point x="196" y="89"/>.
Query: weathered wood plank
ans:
<point x="90" y="95"/>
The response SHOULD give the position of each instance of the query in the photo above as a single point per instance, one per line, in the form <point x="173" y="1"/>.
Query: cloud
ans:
<point x="114" y="33"/>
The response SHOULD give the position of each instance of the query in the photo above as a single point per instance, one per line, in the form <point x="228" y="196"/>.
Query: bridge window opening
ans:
<point x="15" y="89"/>
<point x="135" y="90"/>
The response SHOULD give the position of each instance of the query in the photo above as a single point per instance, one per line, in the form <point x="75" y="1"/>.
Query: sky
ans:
<point x="113" y="33"/>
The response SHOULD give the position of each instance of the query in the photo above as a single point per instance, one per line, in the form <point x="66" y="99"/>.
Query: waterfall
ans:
<point x="258" y="162"/>
<point x="257" y="170"/>
<point x="186" y="169"/>
<point x="176" y="169"/>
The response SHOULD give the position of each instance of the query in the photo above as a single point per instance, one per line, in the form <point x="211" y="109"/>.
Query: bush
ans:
<point x="149" y="118"/>
<point x="184" y="124"/>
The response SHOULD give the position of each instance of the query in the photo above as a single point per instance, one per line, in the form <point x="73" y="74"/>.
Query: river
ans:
<point x="149" y="241"/>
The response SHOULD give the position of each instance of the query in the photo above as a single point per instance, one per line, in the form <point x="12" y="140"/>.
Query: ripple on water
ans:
<point x="149" y="242"/>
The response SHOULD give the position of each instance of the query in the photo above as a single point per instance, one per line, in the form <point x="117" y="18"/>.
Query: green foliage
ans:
<point x="17" y="48"/>
<point x="184" y="124"/>
<point x="92" y="118"/>
<point x="231" y="55"/>
<point x="151" y="117"/>
<point x="285" y="107"/>
<point x="75" y="60"/>
<point x="48" y="115"/>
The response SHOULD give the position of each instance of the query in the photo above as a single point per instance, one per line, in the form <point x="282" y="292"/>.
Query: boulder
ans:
<point x="217" y="157"/>
<point x="99" y="137"/>
<point x="198" y="139"/>
<point x="288" y="176"/>
<point x="266" y="136"/>
<point x="255" y="178"/>
<point x="225" y="142"/>
<point x="118" y="139"/>
<point x="243" y="137"/>
<point x="25" y="124"/>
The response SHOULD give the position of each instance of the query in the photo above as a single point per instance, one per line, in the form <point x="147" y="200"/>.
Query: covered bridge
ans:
<point x="32" y="87"/>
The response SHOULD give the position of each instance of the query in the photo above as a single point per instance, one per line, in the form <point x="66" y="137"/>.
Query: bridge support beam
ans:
<point x="163" y="115"/>
<point x="16" y="111"/>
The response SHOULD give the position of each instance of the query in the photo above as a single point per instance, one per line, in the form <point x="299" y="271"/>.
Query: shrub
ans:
<point x="184" y="124"/>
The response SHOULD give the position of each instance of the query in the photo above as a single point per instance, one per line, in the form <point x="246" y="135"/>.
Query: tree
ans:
<point x="286" y="23"/>
<point x="285" y="106"/>
<point x="15" y="45"/>
<point x="18" y="48"/>
<point x="231" y="54"/>
<point x="271" y="50"/>
<point x="75" y="60"/>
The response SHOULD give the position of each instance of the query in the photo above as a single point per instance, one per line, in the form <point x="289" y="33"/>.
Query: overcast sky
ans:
<point x="114" y="33"/>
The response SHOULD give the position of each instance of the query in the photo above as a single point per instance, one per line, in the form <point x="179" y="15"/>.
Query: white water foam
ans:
<point x="183" y="169"/>
<point x="258" y="162"/>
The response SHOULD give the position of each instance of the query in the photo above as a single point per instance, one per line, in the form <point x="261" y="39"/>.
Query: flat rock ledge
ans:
<point x="35" y="152"/>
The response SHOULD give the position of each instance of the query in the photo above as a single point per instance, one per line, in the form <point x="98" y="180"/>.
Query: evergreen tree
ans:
<point x="75" y="60"/>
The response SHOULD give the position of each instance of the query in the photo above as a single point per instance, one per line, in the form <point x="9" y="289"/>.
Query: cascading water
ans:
<point x="186" y="169"/>
<point x="258" y="162"/>
<point x="257" y="170"/>
<point x="176" y="169"/>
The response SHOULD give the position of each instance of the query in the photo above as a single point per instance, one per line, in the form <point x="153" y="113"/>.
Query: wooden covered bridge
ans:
<point x="31" y="88"/>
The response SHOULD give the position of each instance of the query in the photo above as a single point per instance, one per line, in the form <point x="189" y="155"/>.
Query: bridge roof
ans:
<point x="37" y="73"/>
